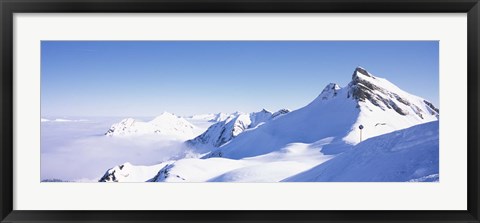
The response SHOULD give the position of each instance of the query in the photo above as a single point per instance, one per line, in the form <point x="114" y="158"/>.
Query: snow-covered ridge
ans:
<point x="224" y="131"/>
<point x="217" y="117"/>
<point x="164" y="124"/>
<point x="378" y="105"/>
<point x="406" y="155"/>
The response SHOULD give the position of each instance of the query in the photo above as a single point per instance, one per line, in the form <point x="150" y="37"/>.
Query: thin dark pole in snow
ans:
<point x="360" y="127"/>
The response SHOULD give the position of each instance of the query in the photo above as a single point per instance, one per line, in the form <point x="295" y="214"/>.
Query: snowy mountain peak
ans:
<point x="366" y="89"/>
<point x="212" y="117"/>
<point x="361" y="71"/>
<point x="166" y="116"/>
<point x="329" y="91"/>
<point x="375" y="95"/>
<point x="222" y="132"/>
<point x="368" y="100"/>
<point x="237" y="113"/>
<point x="362" y="88"/>
<point x="121" y="126"/>
<point x="164" y="124"/>
<point x="265" y="111"/>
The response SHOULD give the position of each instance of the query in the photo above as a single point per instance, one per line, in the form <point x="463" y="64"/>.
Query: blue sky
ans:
<point x="145" y="78"/>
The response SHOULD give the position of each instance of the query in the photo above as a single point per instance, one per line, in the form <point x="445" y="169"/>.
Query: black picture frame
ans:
<point x="9" y="7"/>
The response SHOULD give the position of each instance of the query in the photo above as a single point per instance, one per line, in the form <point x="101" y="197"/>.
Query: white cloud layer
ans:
<point x="74" y="150"/>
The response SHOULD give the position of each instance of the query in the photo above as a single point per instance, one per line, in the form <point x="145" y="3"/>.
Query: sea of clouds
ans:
<point x="78" y="150"/>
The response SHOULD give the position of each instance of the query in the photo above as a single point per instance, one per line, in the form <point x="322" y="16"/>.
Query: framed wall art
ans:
<point x="245" y="111"/>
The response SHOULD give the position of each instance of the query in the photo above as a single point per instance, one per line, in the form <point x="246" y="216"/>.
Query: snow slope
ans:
<point x="337" y="112"/>
<point x="224" y="131"/>
<point x="406" y="155"/>
<point x="165" y="124"/>
<point x="196" y="170"/>
<point x="273" y="167"/>
<point x="130" y="173"/>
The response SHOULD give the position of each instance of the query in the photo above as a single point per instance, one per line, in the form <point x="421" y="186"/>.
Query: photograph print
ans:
<point x="239" y="111"/>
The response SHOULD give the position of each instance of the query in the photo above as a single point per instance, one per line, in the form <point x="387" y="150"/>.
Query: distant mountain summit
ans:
<point x="381" y="93"/>
<point x="370" y="90"/>
<point x="166" y="124"/>
<point x="217" y="117"/>
<point x="374" y="102"/>
<point x="224" y="131"/>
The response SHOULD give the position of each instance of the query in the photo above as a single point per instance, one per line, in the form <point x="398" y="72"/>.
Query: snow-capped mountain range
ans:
<point x="218" y="117"/>
<point x="224" y="131"/>
<point x="166" y="124"/>
<point x="317" y="141"/>
<point x="378" y="105"/>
